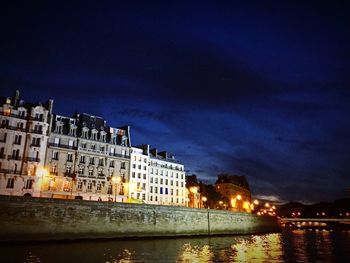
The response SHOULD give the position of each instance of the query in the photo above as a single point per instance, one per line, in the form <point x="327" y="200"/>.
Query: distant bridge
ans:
<point x="315" y="222"/>
<point x="295" y="219"/>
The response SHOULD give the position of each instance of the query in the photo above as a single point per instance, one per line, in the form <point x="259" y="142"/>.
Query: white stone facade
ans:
<point x="167" y="184"/>
<point x="138" y="183"/>
<point x="24" y="130"/>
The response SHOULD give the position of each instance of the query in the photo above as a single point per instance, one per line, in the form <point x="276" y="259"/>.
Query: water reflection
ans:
<point x="288" y="246"/>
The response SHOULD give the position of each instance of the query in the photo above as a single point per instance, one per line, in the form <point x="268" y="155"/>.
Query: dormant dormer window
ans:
<point x="72" y="130"/>
<point x="93" y="135"/>
<point x="85" y="133"/>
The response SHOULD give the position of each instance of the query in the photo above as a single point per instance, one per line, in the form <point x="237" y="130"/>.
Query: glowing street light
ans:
<point x="256" y="202"/>
<point x="204" y="199"/>
<point x="239" y="197"/>
<point x="267" y="205"/>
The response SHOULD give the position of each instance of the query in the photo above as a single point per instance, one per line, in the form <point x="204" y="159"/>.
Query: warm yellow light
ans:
<point x="193" y="189"/>
<point x="233" y="202"/>
<point x="41" y="172"/>
<point x="116" y="179"/>
<point x="204" y="199"/>
<point x="220" y="202"/>
<point x="239" y="197"/>
<point x="267" y="205"/>
<point x="273" y="207"/>
<point x="256" y="202"/>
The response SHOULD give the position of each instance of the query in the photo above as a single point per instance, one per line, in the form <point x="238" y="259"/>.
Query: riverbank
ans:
<point x="23" y="219"/>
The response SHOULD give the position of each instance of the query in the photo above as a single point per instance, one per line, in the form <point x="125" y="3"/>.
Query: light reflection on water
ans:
<point x="288" y="246"/>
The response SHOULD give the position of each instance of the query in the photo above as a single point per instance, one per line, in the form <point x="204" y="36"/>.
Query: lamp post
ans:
<point x="115" y="180"/>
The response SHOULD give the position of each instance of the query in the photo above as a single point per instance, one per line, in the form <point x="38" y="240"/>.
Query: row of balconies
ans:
<point x="22" y="129"/>
<point x="23" y="117"/>
<point x="19" y="158"/>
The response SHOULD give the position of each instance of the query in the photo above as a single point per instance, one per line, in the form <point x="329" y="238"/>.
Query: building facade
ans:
<point x="139" y="174"/>
<point x="167" y="184"/>
<point x="87" y="159"/>
<point x="81" y="157"/>
<point x="236" y="190"/>
<point x="24" y="132"/>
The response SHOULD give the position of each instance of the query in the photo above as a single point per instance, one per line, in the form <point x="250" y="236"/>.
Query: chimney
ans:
<point x="50" y="106"/>
<point x="145" y="148"/>
<point x="16" y="98"/>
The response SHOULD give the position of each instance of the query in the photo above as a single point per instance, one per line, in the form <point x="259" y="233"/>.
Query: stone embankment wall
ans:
<point x="54" y="219"/>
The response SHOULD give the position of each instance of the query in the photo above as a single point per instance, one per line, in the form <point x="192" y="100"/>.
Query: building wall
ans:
<point x="23" y="140"/>
<point x="167" y="184"/>
<point x="45" y="219"/>
<point x="139" y="177"/>
<point x="84" y="166"/>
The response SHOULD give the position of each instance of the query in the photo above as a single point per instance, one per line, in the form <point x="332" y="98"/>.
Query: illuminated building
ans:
<point x="24" y="129"/>
<point x="167" y="184"/>
<point x="236" y="189"/>
<point x="84" y="154"/>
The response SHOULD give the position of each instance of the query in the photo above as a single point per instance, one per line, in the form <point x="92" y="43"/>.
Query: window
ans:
<point x="91" y="172"/>
<point x="69" y="157"/>
<point x="92" y="160"/>
<point x="151" y="189"/>
<point x="89" y="186"/>
<point x="156" y="189"/>
<point x="139" y="167"/>
<point x="134" y="166"/>
<point x="83" y="145"/>
<point x="145" y="160"/>
<point x="10" y="182"/>
<point x="151" y="198"/>
<point x="156" y="180"/>
<point x="81" y="170"/>
<point x="98" y="187"/>
<point x="93" y="147"/>
<point x="70" y="143"/>
<point x="111" y="164"/>
<point x="82" y="159"/>
<point x="54" y="155"/>
<point x="143" y="196"/>
<point x="29" y="184"/>
<point x="100" y="162"/>
<point x="54" y="169"/>
<point x="36" y="142"/>
<point x="122" y="165"/>
<point x="144" y="176"/>
<point x="133" y="175"/>
<point x="80" y="185"/>
<point x="161" y="190"/>
<point x="145" y="168"/>
<point x="139" y="175"/>
<point x="143" y="186"/>
<point x="109" y="190"/>
<point x="18" y="139"/>
<point x="161" y="180"/>
<point x="68" y="169"/>
<point x="151" y="179"/>
<point x="182" y="184"/>
<point x="166" y="191"/>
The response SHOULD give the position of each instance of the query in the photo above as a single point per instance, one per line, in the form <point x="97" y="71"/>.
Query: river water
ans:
<point x="288" y="246"/>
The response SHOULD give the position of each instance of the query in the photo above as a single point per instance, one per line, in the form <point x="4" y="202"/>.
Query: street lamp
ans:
<point x="115" y="180"/>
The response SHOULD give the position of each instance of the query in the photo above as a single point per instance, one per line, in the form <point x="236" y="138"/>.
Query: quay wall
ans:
<point x="55" y="219"/>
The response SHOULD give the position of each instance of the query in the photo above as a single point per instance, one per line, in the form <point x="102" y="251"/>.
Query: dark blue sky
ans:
<point x="258" y="89"/>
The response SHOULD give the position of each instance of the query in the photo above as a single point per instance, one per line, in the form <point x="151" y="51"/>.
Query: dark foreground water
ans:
<point x="288" y="246"/>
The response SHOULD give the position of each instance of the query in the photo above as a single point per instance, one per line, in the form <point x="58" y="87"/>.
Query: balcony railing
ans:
<point x="35" y="144"/>
<point x="8" y="171"/>
<point x="16" y="158"/>
<point x="60" y="145"/>
<point x="32" y="159"/>
<point x="119" y="155"/>
<point x="23" y="117"/>
<point x="36" y="131"/>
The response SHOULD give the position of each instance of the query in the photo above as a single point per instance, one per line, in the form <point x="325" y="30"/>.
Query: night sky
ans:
<point x="259" y="89"/>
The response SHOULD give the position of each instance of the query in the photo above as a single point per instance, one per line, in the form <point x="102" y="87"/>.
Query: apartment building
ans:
<point x="24" y="130"/>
